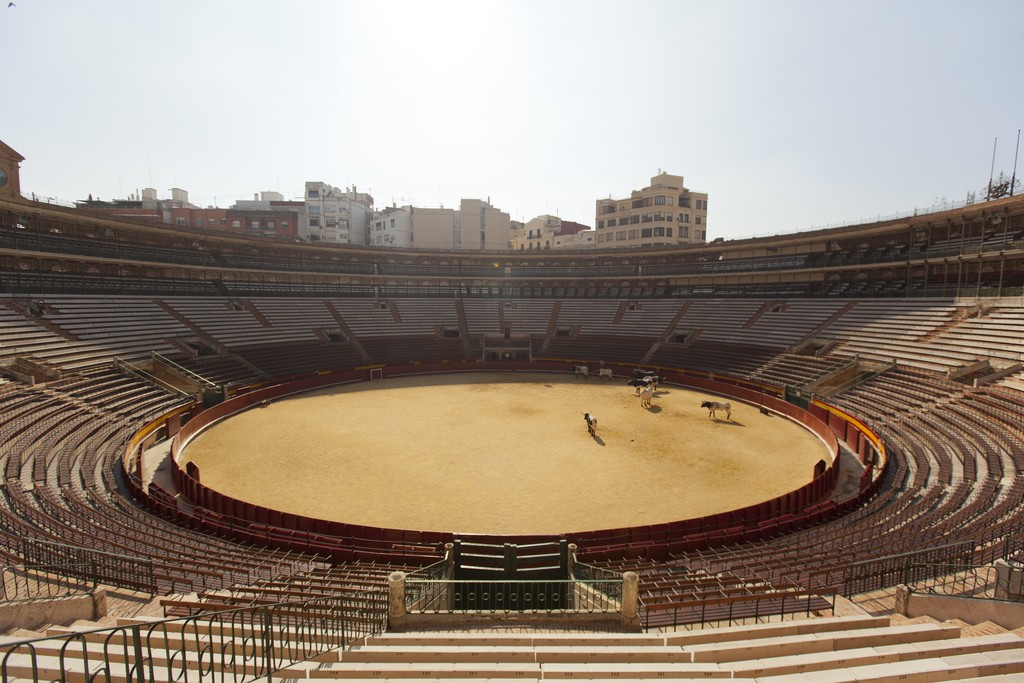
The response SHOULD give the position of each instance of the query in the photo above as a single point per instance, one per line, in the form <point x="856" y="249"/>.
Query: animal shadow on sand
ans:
<point x="653" y="409"/>
<point x="598" y="440"/>
<point x="731" y="423"/>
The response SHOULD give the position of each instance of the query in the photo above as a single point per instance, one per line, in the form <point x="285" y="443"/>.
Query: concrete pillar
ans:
<point x="1009" y="581"/>
<point x="570" y="564"/>
<point x="902" y="600"/>
<point x="396" y="601"/>
<point x="630" y="600"/>
<point x="99" y="603"/>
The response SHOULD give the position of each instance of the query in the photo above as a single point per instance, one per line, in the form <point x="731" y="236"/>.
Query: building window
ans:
<point x="659" y="200"/>
<point x="684" y="218"/>
<point x="223" y="221"/>
<point x="314" y="194"/>
<point x="179" y="221"/>
<point x="314" y="211"/>
<point x="392" y="223"/>
<point x="607" y="208"/>
<point x="684" y="232"/>
<point x="647" y="218"/>
<point x="199" y="222"/>
<point x="313" y="222"/>
<point x="634" y="219"/>
<point x="645" y="232"/>
<point x="697" y="219"/>
<point x="668" y="232"/>
<point x="236" y="224"/>
<point x="659" y="232"/>
<point x="600" y="237"/>
<point x="620" y="236"/>
<point x="600" y="226"/>
<point x="611" y="222"/>
<point x="270" y="224"/>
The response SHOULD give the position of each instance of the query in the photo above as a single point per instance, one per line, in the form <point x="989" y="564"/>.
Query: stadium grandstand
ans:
<point x="901" y="342"/>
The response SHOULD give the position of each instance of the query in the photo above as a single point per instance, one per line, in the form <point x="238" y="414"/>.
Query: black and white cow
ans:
<point x="591" y="420"/>
<point x="714" y="406"/>
<point x="646" y="381"/>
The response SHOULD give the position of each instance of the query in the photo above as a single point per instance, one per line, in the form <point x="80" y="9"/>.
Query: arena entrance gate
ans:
<point x="511" y="577"/>
<point x="796" y="396"/>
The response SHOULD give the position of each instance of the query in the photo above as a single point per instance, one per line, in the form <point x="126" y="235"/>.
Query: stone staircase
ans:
<point x="861" y="648"/>
<point x="856" y="648"/>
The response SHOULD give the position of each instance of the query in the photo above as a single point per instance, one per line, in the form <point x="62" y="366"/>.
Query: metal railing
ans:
<point x="131" y="368"/>
<point x="36" y="582"/>
<point x="704" y="612"/>
<point x="447" y="596"/>
<point x="124" y="571"/>
<point x="159" y="359"/>
<point x="967" y="581"/>
<point x="920" y="565"/>
<point x="239" y="645"/>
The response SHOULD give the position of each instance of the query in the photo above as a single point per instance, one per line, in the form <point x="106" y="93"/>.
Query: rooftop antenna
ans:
<point x="1013" y="178"/>
<point x="992" y="170"/>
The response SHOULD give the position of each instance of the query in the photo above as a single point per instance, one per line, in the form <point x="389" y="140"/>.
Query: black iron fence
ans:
<point x="35" y="582"/>
<point x="922" y="565"/>
<point x="123" y="571"/>
<point x="703" y="612"/>
<point x="443" y="596"/>
<point x="895" y="570"/>
<point x="969" y="581"/>
<point x="239" y="645"/>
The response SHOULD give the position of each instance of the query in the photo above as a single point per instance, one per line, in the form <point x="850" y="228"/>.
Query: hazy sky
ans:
<point x="788" y="114"/>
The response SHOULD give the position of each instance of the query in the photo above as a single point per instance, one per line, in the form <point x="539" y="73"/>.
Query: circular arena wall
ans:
<point x="495" y="453"/>
<point x="215" y="512"/>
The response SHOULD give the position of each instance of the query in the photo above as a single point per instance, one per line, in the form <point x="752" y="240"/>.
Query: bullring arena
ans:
<point x="889" y="547"/>
<point x="502" y="453"/>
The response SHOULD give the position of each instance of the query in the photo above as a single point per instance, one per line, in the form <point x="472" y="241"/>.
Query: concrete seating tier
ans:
<point x="623" y="349"/>
<point x="787" y="368"/>
<point x="287" y="358"/>
<point x="843" y="649"/>
<point x="853" y="649"/>
<point x="956" y="453"/>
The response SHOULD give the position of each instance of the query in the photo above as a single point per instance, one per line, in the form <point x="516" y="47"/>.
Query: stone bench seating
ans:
<point x="534" y="320"/>
<point x="841" y="649"/>
<point x="959" y="462"/>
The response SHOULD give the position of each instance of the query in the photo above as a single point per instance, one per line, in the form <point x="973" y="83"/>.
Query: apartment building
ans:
<point x="337" y="215"/>
<point x="550" y="232"/>
<point x="474" y="225"/>
<point x="665" y="212"/>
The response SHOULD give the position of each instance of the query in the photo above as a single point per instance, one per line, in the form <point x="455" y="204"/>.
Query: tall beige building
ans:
<point x="665" y="212"/>
<point x="474" y="225"/>
<point x="550" y="232"/>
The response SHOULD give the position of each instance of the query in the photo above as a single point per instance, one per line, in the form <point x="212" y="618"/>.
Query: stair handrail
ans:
<point x="167" y="362"/>
<point x="123" y="364"/>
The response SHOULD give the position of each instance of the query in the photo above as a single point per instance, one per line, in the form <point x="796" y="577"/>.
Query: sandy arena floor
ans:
<point x="502" y="453"/>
